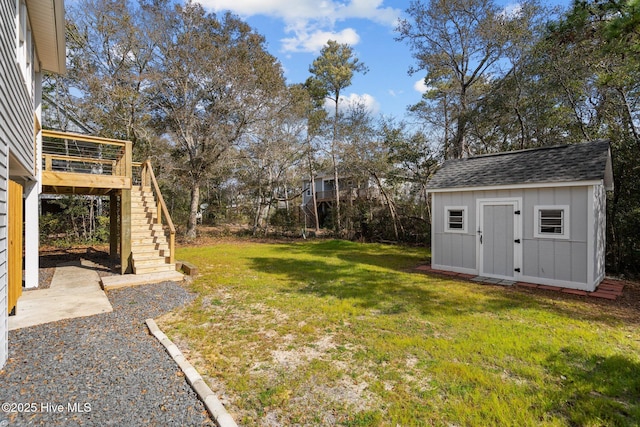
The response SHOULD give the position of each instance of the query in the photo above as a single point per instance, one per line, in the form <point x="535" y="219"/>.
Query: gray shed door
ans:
<point x="497" y="243"/>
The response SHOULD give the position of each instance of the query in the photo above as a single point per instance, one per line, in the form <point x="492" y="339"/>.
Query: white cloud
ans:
<point x="312" y="22"/>
<point x="352" y="100"/>
<point x="421" y="86"/>
<point x="309" y="9"/>
<point x="305" y="41"/>
<point x="511" y="11"/>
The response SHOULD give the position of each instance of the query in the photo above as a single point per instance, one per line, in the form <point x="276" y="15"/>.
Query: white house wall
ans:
<point x="17" y="103"/>
<point x="17" y="154"/>
<point x="561" y="262"/>
<point x="8" y="75"/>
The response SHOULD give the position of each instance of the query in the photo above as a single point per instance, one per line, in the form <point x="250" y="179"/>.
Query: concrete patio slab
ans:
<point x="125" y="280"/>
<point x="74" y="292"/>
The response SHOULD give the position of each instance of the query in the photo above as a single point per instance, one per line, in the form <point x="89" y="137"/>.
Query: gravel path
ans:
<point x="103" y="370"/>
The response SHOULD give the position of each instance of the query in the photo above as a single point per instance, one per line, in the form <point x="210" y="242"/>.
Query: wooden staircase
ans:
<point x="138" y="217"/>
<point x="150" y="251"/>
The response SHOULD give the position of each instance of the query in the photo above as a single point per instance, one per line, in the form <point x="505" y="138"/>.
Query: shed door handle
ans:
<point x="481" y="239"/>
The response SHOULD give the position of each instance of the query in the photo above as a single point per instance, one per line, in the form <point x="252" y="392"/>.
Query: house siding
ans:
<point x="4" y="320"/>
<point x="16" y="111"/>
<point x="544" y="260"/>
<point x="16" y="137"/>
<point x="7" y="21"/>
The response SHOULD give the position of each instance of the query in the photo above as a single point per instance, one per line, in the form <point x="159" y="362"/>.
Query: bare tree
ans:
<point x="214" y="79"/>
<point x="459" y="43"/>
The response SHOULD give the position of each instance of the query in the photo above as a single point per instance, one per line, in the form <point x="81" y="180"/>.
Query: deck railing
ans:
<point x="77" y="153"/>
<point x="329" y="195"/>
<point x="103" y="165"/>
<point x="144" y="176"/>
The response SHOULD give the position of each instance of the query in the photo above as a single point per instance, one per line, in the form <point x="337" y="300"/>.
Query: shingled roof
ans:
<point x="588" y="161"/>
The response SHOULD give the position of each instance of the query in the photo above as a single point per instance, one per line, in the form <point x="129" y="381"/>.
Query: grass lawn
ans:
<point x="334" y="332"/>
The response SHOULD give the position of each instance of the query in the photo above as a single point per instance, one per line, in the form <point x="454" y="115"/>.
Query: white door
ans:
<point x="499" y="246"/>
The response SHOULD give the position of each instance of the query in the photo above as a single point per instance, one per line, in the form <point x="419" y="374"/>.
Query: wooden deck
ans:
<point x="88" y="165"/>
<point x="84" y="164"/>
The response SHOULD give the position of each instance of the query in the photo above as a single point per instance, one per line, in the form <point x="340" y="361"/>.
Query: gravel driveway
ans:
<point x="100" y="370"/>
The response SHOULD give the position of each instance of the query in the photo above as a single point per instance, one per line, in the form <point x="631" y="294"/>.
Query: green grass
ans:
<point x="334" y="332"/>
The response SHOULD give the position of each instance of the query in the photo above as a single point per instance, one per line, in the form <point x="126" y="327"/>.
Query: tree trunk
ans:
<point x="459" y="143"/>
<point x="391" y="206"/>
<point x="266" y="217"/>
<point x="314" y="197"/>
<point x="256" y="218"/>
<point x="193" y="212"/>
<point x="336" y="181"/>
<point x="336" y="186"/>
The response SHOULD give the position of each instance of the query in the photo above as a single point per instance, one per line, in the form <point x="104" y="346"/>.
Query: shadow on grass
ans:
<point x="375" y="280"/>
<point x="386" y="291"/>
<point x="595" y="389"/>
<point x="395" y="257"/>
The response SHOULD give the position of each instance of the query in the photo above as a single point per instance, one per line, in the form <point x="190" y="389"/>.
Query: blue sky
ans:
<point x="296" y="30"/>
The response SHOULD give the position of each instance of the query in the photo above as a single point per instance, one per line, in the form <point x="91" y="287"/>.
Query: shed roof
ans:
<point x="588" y="161"/>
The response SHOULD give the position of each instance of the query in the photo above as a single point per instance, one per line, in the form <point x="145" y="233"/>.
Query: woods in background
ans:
<point x="232" y="142"/>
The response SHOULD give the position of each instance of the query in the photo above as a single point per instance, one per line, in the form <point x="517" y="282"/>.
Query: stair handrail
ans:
<point x="162" y="209"/>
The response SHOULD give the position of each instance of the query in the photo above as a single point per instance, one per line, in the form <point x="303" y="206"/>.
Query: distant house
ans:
<point x="325" y="189"/>
<point x="536" y="215"/>
<point x="31" y="41"/>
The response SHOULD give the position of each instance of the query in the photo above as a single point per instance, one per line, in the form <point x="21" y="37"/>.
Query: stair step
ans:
<point x="143" y="207"/>
<point x="155" y="246"/>
<point x="154" y="269"/>
<point x="146" y="230"/>
<point x="148" y="254"/>
<point x="149" y="261"/>
<point x="143" y="200"/>
<point x="148" y="240"/>
<point x="142" y="224"/>
<point x="144" y="216"/>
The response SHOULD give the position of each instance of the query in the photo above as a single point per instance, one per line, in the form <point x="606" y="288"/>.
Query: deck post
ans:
<point x="113" y="225"/>
<point x="125" y="214"/>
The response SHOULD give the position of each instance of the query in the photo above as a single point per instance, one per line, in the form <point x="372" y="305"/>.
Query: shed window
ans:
<point x="551" y="222"/>
<point x="455" y="219"/>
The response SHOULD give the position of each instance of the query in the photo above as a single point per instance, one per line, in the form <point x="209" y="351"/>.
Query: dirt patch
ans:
<point x="241" y="234"/>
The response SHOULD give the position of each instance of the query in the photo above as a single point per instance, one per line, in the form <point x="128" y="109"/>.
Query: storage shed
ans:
<point x="536" y="216"/>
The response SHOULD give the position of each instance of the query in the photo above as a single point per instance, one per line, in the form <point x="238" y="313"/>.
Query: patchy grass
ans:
<point x="335" y="332"/>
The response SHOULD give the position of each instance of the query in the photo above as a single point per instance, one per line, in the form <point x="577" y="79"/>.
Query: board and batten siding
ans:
<point x="456" y="250"/>
<point x="564" y="262"/>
